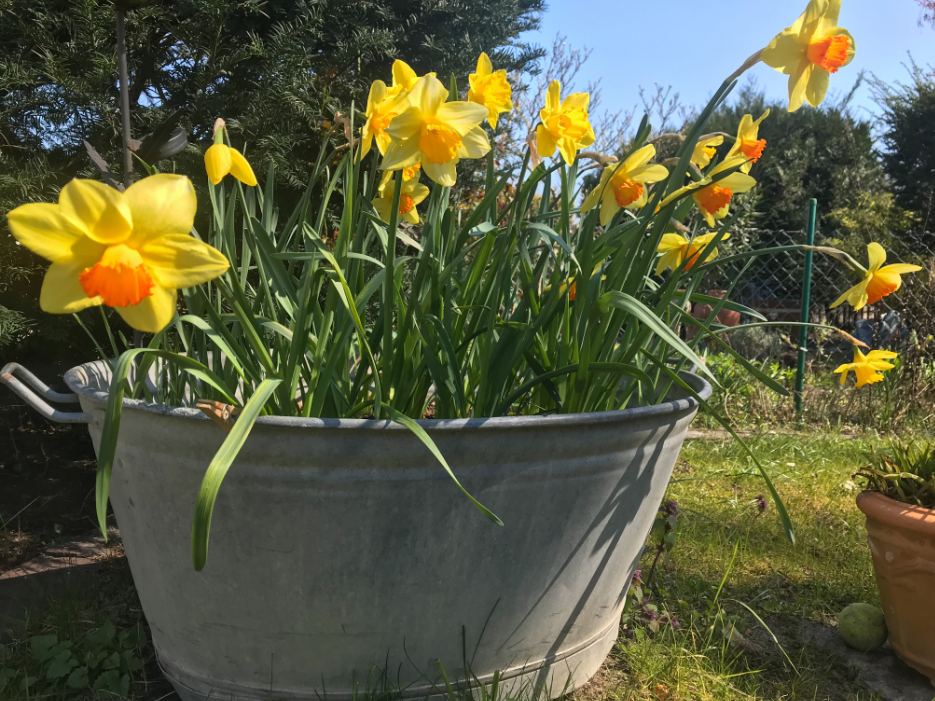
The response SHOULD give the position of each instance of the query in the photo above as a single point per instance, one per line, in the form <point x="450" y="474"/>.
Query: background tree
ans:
<point x="908" y="113"/>
<point x="276" y="70"/>
<point x="928" y="11"/>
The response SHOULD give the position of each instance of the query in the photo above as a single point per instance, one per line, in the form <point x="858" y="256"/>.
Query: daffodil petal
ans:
<point x="649" y="174"/>
<point x="376" y="96"/>
<point x="784" y="53"/>
<point x="545" y="144"/>
<point x="876" y="256"/>
<point x="62" y="292"/>
<point x="428" y="94"/>
<point x="592" y="199"/>
<point x="609" y="208"/>
<point x="154" y="313"/>
<point x="382" y="207"/>
<point x="44" y="230"/>
<point x="900" y="269"/>
<point x="403" y="75"/>
<point x="671" y="259"/>
<point x="180" y="261"/>
<point x="818" y="83"/>
<point x="240" y="168"/>
<point x="671" y="242"/>
<point x="401" y="154"/>
<point x="831" y="11"/>
<point x="161" y="204"/>
<point x="419" y="193"/>
<point x="639" y="158"/>
<point x="484" y="66"/>
<point x="880" y="365"/>
<point x="366" y="140"/>
<point x="474" y="144"/>
<point x="442" y="173"/>
<point x="578" y="100"/>
<point x="406" y="125"/>
<point x="738" y="182"/>
<point x="798" y="84"/>
<point x="217" y="162"/>
<point x="462" y="116"/>
<point x="553" y="96"/>
<point x="102" y="211"/>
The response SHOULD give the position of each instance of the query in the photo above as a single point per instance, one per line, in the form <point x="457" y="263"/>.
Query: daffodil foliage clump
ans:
<point x="540" y="299"/>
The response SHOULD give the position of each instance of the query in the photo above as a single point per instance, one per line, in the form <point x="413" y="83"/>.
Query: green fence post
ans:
<point x="806" y="299"/>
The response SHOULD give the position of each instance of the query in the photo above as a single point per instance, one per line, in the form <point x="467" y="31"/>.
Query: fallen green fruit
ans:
<point x="863" y="627"/>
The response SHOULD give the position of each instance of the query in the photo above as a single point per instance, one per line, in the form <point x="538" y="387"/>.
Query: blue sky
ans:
<point x="694" y="44"/>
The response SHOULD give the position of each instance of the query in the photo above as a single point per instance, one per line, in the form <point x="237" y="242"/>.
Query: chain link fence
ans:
<point x="772" y="285"/>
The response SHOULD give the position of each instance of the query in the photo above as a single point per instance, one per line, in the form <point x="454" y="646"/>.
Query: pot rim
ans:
<point x="882" y="508"/>
<point x="82" y="388"/>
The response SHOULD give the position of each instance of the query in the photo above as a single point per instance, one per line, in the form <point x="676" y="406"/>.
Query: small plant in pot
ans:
<point x="899" y="502"/>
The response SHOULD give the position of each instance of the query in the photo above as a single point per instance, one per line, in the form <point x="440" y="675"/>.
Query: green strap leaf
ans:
<point x="780" y="507"/>
<point x="413" y="426"/>
<point x="631" y="305"/>
<point x="118" y="388"/>
<point x="220" y="464"/>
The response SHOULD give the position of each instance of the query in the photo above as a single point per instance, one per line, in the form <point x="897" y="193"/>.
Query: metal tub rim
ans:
<point x="82" y="383"/>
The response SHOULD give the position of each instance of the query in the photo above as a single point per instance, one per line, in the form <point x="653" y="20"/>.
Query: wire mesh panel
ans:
<point x="772" y="284"/>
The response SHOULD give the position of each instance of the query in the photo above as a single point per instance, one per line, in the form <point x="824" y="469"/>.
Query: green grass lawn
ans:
<point x="723" y="535"/>
<point x="729" y="555"/>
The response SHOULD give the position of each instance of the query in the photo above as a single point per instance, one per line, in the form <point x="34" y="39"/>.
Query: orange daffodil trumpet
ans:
<point x="714" y="199"/>
<point x="491" y="89"/>
<point x="810" y="51"/>
<point x="867" y="368"/>
<point x="879" y="280"/>
<point x="565" y="124"/>
<point x="675" y="248"/>
<point x="435" y="133"/>
<point x="748" y="143"/>
<point x="704" y="151"/>
<point x="623" y="185"/>
<point x="411" y="193"/>
<point x="131" y="251"/>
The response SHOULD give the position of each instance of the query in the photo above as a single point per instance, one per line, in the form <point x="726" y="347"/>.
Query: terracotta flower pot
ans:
<point x="902" y="543"/>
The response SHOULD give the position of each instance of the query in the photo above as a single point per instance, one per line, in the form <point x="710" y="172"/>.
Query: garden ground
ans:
<point x="730" y="574"/>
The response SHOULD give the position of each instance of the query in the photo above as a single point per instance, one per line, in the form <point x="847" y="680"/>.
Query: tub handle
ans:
<point x="37" y="402"/>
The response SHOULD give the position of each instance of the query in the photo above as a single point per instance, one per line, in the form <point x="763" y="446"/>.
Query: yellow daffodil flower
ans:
<point x="879" y="280"/>
<point x="704" y="151"/>
<point x="408" y="174"/>
<point x="623" y="185"/>
<point x="868" y="368"/>
<point x="564" y="125"/>
<point x="491" y="89"/>
<point x="810" y="51"/>
<point x="714" y="200"/>
<point x="675" y="248"/>
<point x="130" y="251"/>
<point x="382" y="107"/>
<point x="411" y="193"/>
<point x="221" y="159"/>
<point x="436" y="133"/>
<point x="748" y="142"/>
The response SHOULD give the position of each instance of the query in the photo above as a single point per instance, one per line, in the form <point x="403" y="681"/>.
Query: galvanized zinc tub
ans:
<point x="339" y="547"/>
